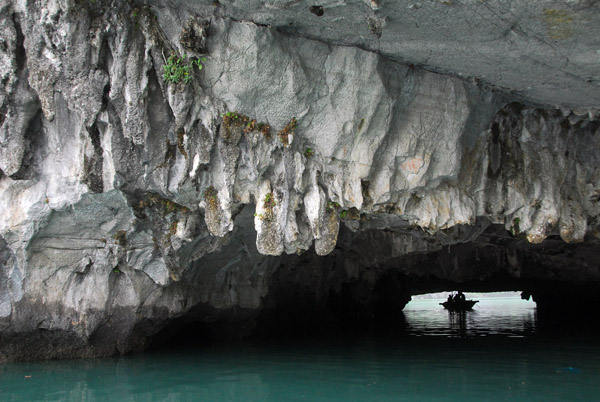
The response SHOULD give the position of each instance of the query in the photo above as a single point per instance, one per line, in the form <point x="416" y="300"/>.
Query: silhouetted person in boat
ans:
<point x="460" y="297"/>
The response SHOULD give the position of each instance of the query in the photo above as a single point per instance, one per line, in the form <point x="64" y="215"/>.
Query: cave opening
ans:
<point x="311" y="297"/>
<point x="377" y="282"/>
<point x="342" y="319"/>
<point x="360" y="311"/>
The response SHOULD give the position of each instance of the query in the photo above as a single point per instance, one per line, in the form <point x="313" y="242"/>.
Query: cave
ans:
<point x="217" y="170"/>
<point x="363" y="285"/>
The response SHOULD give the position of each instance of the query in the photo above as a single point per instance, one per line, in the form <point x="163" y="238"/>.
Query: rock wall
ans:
<point x="128" y="200"/>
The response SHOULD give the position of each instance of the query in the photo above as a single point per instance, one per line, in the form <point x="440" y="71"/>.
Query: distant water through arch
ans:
<point x="502" y="314"/>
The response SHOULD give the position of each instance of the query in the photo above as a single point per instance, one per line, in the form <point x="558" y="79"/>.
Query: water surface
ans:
<point x="491" y="316"/>
<point x="494" y="354"/>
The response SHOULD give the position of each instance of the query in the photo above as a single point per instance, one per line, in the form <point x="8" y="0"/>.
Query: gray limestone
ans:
<point x="127" y="201"/>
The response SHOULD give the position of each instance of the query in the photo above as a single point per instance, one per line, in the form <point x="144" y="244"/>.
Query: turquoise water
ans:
<point x="495" y="354"/>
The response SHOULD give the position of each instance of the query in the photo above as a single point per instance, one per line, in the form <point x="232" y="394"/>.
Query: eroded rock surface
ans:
<point x="288" y="174"/>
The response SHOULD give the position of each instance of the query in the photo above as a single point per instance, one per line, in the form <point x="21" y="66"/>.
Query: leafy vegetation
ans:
<point x="172" y="230"/>
<point x="210" y="195"/>
<point x="515" y="227"/>
<point x="288" y="130"/>
<point x="233" y="119"/>
<point x="152" y="200"/>
<point x="269" y="201"/>
<point x="268" y="204"/>
<point x="180" y="69"/>
<point x="332" y="206"/>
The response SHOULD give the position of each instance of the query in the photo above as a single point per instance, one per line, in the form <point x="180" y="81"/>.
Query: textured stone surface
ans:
<point x="127" y="202"/>
<point x="545" y="51"/>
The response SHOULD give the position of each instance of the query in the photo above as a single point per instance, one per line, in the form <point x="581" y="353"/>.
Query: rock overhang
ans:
<point x="145" y="200"/>
<point x="541" y="52"/>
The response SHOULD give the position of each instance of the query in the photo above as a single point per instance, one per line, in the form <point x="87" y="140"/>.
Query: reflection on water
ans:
<point x="492" y="316"/>
<point x="491" y="354"/>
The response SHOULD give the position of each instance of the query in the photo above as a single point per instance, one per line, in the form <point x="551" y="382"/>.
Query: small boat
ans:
<point x="459" y="305"/>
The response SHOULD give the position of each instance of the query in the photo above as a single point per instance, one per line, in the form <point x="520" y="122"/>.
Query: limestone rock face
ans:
<point x="362" y="138"/>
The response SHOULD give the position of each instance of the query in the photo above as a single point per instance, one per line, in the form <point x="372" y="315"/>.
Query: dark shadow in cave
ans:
<point x="361" y="288"/>
<point x="182" y="334"/>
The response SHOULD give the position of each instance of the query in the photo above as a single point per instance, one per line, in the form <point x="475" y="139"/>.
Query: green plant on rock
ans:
<point x="170" y="206"/>
<point x="180" y="69"/>
<point x="269" y="200"/>
<point x="173" y="227"/>
<point x="309" y="152"/>
<point x="268" y="204"/>
<point x="288" y="130"/>
<point x="152" y="200"/>
<point x="343" y="214"/>
<point x="230" y="118"/>
<point x="251" y="126"/>
<point x="332" y="206"/>
<point x="515" y="228"/>
<point x="172" y="231"/>
<point x="265" y="129"/>
<point x="211" y="196"/>
<point x="233" y="119"/>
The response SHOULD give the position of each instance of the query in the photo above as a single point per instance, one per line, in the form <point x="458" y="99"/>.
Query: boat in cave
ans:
<point x="459" y="305"/>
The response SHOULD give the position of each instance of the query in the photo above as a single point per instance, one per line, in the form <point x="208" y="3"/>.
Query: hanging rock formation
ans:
<point x="325" y="163"/>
